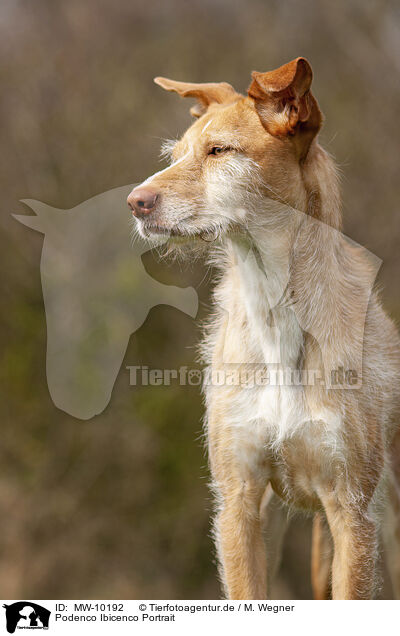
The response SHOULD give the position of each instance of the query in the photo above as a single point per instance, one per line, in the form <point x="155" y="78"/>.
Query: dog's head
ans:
<point x="238" y="150"/>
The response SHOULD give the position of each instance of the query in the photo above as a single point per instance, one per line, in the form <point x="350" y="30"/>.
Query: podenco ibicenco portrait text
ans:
<point x="249" y="184"/>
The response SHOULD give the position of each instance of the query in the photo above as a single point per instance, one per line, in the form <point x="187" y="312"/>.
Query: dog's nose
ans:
<point x="142" y="200"/>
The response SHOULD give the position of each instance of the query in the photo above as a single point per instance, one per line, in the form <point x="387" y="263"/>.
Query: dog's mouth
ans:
<point x="151" y="229"/>
<point x="206" y="228"/>
<point x="209" y="235"/>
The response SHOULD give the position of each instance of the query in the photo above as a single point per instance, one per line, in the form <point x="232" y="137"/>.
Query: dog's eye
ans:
<point x="217" y="150"/>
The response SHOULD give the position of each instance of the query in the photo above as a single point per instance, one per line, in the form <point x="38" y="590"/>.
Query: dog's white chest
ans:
<point x="276" y="436"/>
<point x="270" y="413"/>
<point x="270" y="416"/>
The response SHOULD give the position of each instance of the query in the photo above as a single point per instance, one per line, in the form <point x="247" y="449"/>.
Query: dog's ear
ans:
<point x="205" y="94"/>
<point x="285" y="104"/>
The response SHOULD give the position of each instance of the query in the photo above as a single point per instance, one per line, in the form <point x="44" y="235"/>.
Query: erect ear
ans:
<point x="285" y="103"/>
<point x="45" y="217"/>
<point x="205" y="94"/>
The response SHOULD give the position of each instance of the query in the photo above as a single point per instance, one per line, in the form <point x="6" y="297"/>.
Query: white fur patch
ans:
<point x="206" y="126"/>
<point x="156" y="174"/>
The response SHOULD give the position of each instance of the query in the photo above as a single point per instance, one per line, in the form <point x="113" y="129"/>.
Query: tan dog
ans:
<point x="293" y="296"/>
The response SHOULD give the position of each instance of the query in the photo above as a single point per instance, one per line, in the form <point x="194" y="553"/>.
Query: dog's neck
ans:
<point x="295" y="265"/>
<point x="285" y="243"/>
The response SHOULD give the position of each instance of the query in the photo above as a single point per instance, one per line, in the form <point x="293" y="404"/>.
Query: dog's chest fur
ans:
<point x="272" y="430"/>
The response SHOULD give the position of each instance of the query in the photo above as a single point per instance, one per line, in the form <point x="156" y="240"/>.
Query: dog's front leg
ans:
<point x="240" y="544"/>
<point x="354" y="535"/>
<point x="240" y="470"/>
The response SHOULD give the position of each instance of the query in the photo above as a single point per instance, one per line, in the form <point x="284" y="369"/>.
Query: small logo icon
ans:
<point x="26" y="615"/>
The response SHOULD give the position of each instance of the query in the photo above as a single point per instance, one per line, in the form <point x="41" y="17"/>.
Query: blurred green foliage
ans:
<point x="118" y="506"/>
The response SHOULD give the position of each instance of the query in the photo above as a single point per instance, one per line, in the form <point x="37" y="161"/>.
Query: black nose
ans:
<point x="142" y="200"/>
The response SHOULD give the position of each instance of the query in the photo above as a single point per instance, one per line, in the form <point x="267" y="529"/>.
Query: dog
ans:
<point x="249" y="181"/>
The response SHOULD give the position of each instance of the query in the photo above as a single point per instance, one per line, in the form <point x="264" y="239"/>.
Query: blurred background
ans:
<point x="118" y="506"/>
